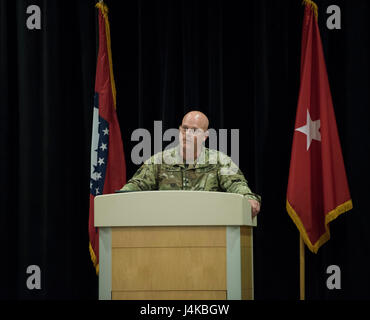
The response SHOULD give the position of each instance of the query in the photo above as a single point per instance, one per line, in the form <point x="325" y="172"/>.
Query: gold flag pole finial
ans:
<point x="101" y="5"/>
<point x="313" y="6"/>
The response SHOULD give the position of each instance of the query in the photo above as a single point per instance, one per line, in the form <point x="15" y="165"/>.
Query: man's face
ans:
<point x="191" y="137"/>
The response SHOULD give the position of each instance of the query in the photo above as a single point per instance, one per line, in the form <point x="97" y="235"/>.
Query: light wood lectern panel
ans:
<point x="195" y="247"/>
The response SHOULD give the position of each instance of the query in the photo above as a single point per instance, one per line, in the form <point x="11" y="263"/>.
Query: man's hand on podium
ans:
<point x="255" y="206"/>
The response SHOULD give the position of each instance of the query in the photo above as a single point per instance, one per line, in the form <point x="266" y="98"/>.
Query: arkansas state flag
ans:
<point x="317" y="188"/>
<point x="108" y="168"/>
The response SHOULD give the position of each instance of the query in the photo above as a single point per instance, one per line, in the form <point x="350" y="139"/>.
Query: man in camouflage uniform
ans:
<point x="190" y="167"/>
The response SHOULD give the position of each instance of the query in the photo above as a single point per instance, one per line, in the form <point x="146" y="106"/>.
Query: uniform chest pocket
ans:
<point x="169" y="180"/>
<point x="206" y="179"/>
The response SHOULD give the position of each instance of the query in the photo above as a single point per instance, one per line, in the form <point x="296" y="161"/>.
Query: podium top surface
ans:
<point x="172" y="208"/>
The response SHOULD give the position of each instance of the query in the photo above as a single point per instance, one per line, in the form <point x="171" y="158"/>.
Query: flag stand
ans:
<point x="301" y="269"/>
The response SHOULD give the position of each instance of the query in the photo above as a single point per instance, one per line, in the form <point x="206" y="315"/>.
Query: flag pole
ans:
<point x="301" y="269"/>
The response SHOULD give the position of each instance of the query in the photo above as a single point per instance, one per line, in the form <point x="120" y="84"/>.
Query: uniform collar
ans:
<point x="201" y="161"/>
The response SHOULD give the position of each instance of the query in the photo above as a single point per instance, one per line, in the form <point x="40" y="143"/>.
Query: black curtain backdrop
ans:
<point x="238" y="64"/>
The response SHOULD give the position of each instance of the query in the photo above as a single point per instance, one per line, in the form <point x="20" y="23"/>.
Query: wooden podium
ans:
<point x="175" y="245"/>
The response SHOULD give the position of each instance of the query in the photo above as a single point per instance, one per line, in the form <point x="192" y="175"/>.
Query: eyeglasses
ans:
<point x="191" y="131"/>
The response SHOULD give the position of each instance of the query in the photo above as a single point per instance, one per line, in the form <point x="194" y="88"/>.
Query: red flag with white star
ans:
<point x="317" y="188"/>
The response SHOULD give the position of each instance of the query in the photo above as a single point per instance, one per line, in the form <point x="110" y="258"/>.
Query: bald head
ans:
<point x="191" y="143"/>
<point x="195" y="120"/>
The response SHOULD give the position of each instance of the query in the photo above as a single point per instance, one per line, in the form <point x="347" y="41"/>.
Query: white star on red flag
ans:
<point x="311" y="129"/>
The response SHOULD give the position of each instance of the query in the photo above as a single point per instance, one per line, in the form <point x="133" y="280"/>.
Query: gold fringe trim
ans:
<point x="104" y="10"/>
<point x="346" y="206"/>
<point x="94" y="259"/>
<point x="313" y="6"/>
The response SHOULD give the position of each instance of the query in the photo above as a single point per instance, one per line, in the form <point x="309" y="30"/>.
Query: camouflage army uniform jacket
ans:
<point x="212" y="171"/>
